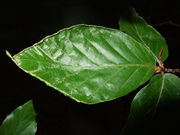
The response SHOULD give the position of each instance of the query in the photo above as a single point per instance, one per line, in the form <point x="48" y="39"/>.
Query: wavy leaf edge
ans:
<point x="68" y="28"/>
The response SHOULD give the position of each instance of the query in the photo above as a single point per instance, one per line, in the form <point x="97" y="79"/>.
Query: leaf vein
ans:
<point x="114" y="49"/>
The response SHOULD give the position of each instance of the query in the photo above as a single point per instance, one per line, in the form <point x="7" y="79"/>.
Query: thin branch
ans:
<point x="168" y="23"/>
<point x="169" y="70"/>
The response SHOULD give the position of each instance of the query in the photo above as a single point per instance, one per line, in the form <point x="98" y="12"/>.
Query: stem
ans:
<point x="168" y="23"/>
<point x="169" y="70"/>
<point x="161" y="68"/>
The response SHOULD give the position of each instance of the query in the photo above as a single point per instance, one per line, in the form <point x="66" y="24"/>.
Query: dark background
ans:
<point x="23" y="23"/>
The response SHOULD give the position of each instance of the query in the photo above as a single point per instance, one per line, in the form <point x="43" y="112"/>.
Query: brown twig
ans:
<point x="168" y="23"/>
<point x="168" y="70"/>
<point x="161" y="69"/>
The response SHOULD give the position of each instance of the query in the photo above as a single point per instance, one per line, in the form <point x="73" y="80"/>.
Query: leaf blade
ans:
<point x="153" y="106"/>
<point x="77" y="60"/>
<point x="20" y="122"/>
<point x="136" y="26"/>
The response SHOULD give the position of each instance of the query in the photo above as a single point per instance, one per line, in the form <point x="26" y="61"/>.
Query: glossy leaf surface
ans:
<point x="90" y="64"/>
<point x="20" y="122"/>
<point x="136" y="26"/>
<point x="156" y="107"/>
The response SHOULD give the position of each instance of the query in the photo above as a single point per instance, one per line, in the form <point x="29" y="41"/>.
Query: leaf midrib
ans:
<point x="160" y="93"/>
<point x="140" y="40"/>
<point x="94" y="66"/>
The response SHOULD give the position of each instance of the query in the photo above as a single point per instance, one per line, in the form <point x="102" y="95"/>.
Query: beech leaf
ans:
<point x="136" y="26"/>
<point x="20" y="122"/>
<point x="90" y="64"/>
<point x="155" y="108"/>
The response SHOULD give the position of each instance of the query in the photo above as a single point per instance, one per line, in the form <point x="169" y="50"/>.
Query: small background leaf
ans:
<point x="20" y="122"/>
<point x="90" y="64"/>
<point x="136" y="26"/>
<point x="156" y="108"/>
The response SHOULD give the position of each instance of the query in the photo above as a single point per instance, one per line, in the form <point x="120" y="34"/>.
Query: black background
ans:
<point x="23" y="23"/>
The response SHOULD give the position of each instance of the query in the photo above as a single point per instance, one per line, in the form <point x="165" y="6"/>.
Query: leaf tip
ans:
<point x="8" y="54"/>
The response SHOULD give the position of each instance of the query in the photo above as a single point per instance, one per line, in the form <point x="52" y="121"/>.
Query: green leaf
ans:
<point x="20" y="122"/>
<point x="90" y="64"/>
<point x="135" y="26"/>
<point x="156" y="106"/>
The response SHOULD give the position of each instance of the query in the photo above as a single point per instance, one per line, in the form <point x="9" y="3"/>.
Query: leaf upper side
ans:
<point x="136" y="26"/>
<point x="86" y="63"/>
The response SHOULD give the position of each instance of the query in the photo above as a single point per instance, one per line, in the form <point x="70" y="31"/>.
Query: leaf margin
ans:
<point x="49" y="36"/>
